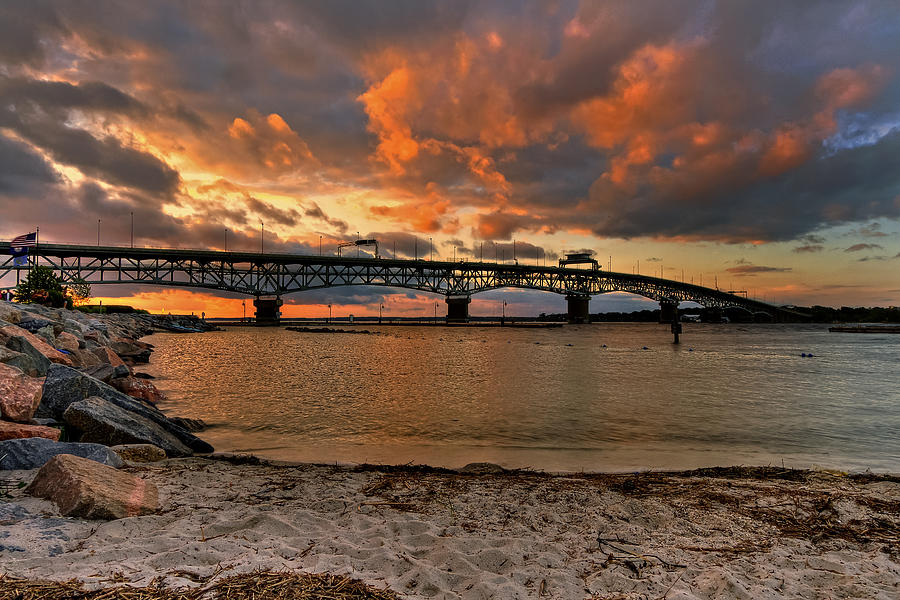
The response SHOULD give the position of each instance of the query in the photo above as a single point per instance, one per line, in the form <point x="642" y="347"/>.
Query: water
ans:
<point x="567" y="399"/>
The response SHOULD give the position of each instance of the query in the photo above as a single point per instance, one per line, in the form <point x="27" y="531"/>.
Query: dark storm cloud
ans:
<point x="105" y="158"/>
<point x="752" y="270"/>
<point x="270" y="213"/>
<point x="860" y="247"/>
<point x="315" y="212"/>
<point x="24" y="26"/>
<point x="91" y="95"/>
<point x="22" y="172"/>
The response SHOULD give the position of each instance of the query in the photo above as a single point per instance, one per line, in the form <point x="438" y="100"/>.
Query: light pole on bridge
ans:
<point x="98" y="232"/>
<point x="262" y="237"/>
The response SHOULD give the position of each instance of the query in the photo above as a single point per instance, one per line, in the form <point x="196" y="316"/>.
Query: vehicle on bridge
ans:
<point x="579" y="258"/>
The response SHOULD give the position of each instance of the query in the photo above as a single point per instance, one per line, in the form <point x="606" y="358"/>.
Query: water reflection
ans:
<point x="553" y="399"/>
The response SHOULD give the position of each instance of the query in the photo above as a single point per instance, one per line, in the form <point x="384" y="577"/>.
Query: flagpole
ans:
<point x="37" y="244"/>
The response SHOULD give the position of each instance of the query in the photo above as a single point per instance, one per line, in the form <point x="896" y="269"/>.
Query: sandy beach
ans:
<point x="433" y="533"/>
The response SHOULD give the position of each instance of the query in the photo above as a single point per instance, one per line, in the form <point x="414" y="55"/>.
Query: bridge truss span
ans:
<point x="280" y="274"/>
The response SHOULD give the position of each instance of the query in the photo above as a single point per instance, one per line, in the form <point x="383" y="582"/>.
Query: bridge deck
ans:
<point x="274" y="274"/>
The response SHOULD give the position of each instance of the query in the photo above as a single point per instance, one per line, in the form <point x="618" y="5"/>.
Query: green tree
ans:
<point x="41" y="286"/>
<point x="79" y="291"/>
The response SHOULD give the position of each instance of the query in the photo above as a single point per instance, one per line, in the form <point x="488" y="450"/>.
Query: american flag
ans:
<point x="29" y="239"/>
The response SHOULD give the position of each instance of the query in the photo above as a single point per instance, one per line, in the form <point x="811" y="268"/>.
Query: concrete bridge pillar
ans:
<point x="458" y="309"/>
<point x="267" y="310"/>
<point x="667" y="311"/>
<point x="578" y="305"/>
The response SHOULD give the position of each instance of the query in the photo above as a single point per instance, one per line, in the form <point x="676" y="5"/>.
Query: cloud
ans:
<point x="860" y="247"/>
<point x="753" y="270"/>
<point x="871" y="230"/>
<point x="808" y="248"/>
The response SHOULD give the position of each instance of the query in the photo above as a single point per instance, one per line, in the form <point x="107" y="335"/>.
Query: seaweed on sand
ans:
<point x="259" y="585"/>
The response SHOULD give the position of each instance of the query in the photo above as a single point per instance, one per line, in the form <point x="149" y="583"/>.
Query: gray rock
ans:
<point x="46" y="334"/>
<point x="19" y="360"/>
<point x="103" y="422"/>
<point x="32" y="453"/>
<point x="139" y="452"/>
<point x="35" y="324"/>
<point x="39" y="363"/>
<point x="65" y="385"/>
<point x="106" y="372"/>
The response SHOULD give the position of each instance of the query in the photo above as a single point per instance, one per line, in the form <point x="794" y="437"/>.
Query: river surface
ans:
<point x="602" y="397"/>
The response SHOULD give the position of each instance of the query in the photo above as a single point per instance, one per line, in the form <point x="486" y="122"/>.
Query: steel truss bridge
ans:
<point x="274" y="275"/>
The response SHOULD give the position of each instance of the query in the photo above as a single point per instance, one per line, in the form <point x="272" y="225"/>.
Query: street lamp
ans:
<point x="262" y="236"/>
<point x="380" y="309"/>
<point x="320" y="245"/>
<point x="329" y="312"/>
<point x="431" y="243"/>
<point x="225" y="237"/>
<point x="132" y="229"/>
<point x="435" y="312"/>
<point x="98" y="232"/>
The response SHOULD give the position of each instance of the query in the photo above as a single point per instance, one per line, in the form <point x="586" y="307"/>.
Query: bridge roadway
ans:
<point x="270" y="276"/>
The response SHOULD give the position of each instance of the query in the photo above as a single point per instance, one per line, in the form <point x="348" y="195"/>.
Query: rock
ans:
<point x="32" y="453"/>
<point x="19" y="394"/>
<point x="142" y="375"/>
<point x="138" y="388"/>
<point x="85" y="358"/>
<point x="108" y="357"/>
<point x="193" y="425"/>
<point x="84" y="488"/>
<point x="139" y="452"/>
<point x="131" y="350"/>
<point x="35" y="324"/>
<point x="103" y="422"/>
<point x="46" y="334"/>
<point x="26" y="363"/>
<point x="13" y="334"/>
<point x="9" y="314"/>
<point x="482" y="468"/>
<point x="36" y="362"/>
<point x="68" y="342"/>
<point x="65" y="386"/>
<point x="106" y="372"/>
<point x="15" y="431"/>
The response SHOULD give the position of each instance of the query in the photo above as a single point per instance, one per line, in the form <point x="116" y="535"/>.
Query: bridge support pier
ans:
<point x="667" y="311"/>
<point x="458" y="309"/>
<point x="578" y="305"/>
<point x="267" y="310"/>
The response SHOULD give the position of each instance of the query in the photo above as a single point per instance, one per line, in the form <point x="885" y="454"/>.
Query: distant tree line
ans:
<point x="819" y="314"/>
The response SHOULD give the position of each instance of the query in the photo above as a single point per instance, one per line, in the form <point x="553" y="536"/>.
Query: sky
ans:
<point x="749" y="145"/>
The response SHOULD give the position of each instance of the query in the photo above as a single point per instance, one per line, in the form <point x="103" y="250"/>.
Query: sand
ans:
<point x="427" y="533"/>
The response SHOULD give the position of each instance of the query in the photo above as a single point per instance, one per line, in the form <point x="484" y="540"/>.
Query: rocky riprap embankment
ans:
<point x="68" y="386"/>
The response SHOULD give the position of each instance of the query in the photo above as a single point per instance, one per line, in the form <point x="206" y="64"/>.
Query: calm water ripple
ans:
<point x="575" y="398"/>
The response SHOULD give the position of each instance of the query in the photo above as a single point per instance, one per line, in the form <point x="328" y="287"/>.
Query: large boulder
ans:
<point x="138" y="388"/>
<point x="103" y="422"/>
<point x="16" y="431"/>
<point x="139" y="452"/>
<point x="35" y="324"/>
<point x="68" y="342"/>
<point x="84" y="488"/>
<point x="37" y="360"/>
<point x="9" y="313"/>
<point x="12" y="337"/>
<point x="131" y="351"/>
<point x="31" y="364"/>
<point x="32" y="453"/>
<point x="65" y="386"/>
<point x="19" y="394"/>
